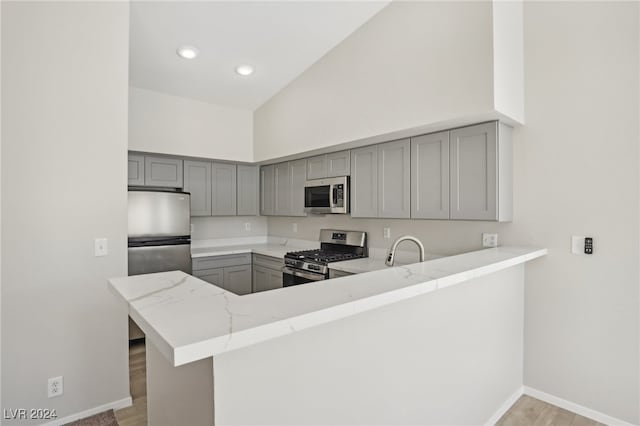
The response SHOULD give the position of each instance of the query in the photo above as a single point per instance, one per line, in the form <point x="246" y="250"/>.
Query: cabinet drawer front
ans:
<point x="221" y="261"/>
<point x="268" y="261"/>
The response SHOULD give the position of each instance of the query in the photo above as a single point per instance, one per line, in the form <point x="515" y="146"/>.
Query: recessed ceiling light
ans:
<point x="187" y="52"/>
<point x="244" y="70"/>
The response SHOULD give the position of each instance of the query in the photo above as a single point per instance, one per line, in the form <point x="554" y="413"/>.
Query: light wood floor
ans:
<point x="527" y="411"/>
<point x="136" y="415"/>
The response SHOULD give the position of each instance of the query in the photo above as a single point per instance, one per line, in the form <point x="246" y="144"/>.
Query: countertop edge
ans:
<point x="217" y="345"/>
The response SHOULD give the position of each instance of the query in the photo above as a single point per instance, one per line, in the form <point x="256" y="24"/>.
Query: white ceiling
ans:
<point x="279" y="39"/>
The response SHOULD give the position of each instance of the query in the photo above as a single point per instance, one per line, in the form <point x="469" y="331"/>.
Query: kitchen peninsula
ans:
<point x="434" y="342"/>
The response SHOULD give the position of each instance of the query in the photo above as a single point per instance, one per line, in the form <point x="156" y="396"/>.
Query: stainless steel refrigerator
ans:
<point x="159" y="231"/>
<point x="159" y="235"/>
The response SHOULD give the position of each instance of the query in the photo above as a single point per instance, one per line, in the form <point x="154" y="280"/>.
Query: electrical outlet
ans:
<point x="100" y="247"/>
<point x="295" y="227"/>
<point x="247" y="226"/>
<point x="489" y="240"/>
<point x="55" y="387"/>
<point x="386" y="233"/>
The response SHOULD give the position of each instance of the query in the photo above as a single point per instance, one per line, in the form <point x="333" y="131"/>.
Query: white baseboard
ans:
<point x="504" y="407"/>
<point x="576" y="408"/>
<point x="115" y="405"/>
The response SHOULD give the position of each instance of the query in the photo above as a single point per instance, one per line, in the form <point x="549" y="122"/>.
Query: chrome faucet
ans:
<point x="391" y="256"/>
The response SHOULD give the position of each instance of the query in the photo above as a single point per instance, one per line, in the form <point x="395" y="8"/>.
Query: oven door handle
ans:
<point x="302" y="274"/>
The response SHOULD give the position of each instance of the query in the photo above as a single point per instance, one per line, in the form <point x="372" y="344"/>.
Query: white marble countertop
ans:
<point x="188" y="319"/>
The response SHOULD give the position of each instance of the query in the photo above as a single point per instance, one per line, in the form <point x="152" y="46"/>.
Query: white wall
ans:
<point x="169" y="124"/>
<point x="64" y="150"/>
<point x="412" y="64"/>
<point x="414" y="362"/>
<point x="206" y="228"/>
<point x="575" y="173"/>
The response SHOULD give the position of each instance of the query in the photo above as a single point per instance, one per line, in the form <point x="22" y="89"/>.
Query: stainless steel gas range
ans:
<point x="307" y="266"/>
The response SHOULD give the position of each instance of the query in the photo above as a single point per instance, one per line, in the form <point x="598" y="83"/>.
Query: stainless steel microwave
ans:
<point x="330" y="195"/>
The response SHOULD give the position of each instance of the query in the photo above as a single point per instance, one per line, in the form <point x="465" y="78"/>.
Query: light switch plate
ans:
<point x="295" y="227"/>
<point x="247" y="226"/>
<point x="100" y="247"/>
<point x="386" y="232"/>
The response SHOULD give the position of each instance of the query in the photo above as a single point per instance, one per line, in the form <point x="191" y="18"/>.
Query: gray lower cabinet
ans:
<point x="267" y="190"/>
<point x="135" y="170"/>
<point x="163" y="172"/>
<point x="481" y="172"/>
<point x="197" y="181"/>
<point x="237" y="279"/>
<point x="394" y="179"/>
<point x="230" y="272"/>
<point x="267" y="273"/>
<point x="430" y="176"/>
<point x="364" y="182"/>
<point x="223" y="186"/>
<point x="248" y="197"/>
<point x="213" y="276"/>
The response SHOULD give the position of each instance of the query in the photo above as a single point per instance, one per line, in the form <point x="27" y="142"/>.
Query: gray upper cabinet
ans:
<point x="339" y="164"/>
<point x="223" y="185"/>
<point x="136" y="170"/>
<point x="329" y="165"/>
<point x="430" y="176"/>
<point x="197" y="181"/>
<point x="298" y="173"/>
<point x="317" y="167"/>
<point x="394" y="179"/>
<point x="364" y="182"/>
<point x="163" y="172"/>
<point x="247" y="194"/>
<point x="282" y="199"/>
<point x="267" y="189"/>
<point x="481" y="172"/>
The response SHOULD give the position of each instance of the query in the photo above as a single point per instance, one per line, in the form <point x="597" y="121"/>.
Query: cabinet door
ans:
<point x="473" y="163"/>
<point x="248" y="196"/>
<point x="197" y="181"/>
<point x="317" y="167"/>
<point x="282" y="173"/>
<point x="223" y="185"/>
<point x="213" y="276"/>
<point x="136" y="170"/>
<point x="267" y="190"/>
<point x="339" y="164"/>
<point x="237" y="279"/>
<point x="163" y="172"/>
<point x="394" y="179"/>
<point x="364" y="182"/>
<point x="260" y="278"/>
<point x="275" y="279"/>
<point x="298" y="172"/>
<point x="430" y="176"/>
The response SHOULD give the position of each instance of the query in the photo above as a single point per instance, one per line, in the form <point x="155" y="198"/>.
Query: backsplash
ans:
<point x="438" y="236"/>
<point x="206" y="228"/>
